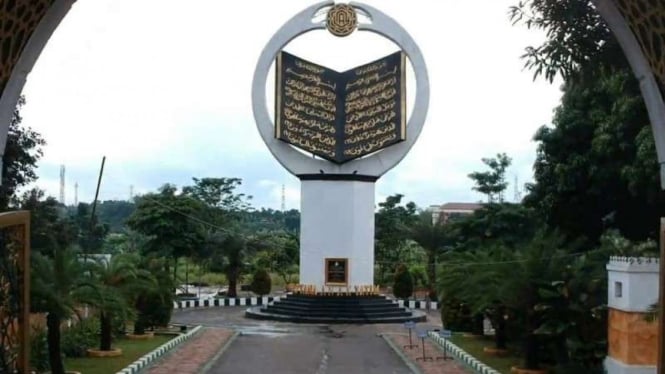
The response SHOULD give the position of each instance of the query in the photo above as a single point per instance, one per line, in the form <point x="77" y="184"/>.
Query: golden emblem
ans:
<point x="342" y="20"/>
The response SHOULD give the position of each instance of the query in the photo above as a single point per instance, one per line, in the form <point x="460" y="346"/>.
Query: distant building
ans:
<point x="450" y="211"/>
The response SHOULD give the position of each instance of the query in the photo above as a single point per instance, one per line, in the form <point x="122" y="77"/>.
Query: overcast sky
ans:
<point x="163" y="90"/>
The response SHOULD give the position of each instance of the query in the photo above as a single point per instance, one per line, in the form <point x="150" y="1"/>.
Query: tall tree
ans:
<point x="50" y="229"/>
<point x="596" y="166"/>
<point x="119" y="282"/>
<point x="22" y="152"/>
<point x="169" y="221"/>
<point x="218" y="193"/>
<point x="577" y="42"/>
<point x="492" y="182"/>
<point x="433" y="237"/>
<point x="392" y="224"/>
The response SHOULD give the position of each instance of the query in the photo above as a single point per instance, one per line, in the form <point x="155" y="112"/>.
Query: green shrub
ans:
<point x="419" y="275"/>
<point x="403" y="286"/>
<point x="456" y="316"/>
<point x="153" y="310"/>
<point x="39" y="359"/>
<point x="79" y="337"/>
<point x="214" y="279"/>
<point x="261" y="282"/>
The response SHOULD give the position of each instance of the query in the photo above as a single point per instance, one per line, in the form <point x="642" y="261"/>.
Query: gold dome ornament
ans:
<point x="342" y="20"/>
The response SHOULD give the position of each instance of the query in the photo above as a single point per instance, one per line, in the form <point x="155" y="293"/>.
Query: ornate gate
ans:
<point x="14" y="291"/>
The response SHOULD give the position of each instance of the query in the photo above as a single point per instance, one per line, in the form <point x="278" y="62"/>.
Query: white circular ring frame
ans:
<point x="375" y="165"/>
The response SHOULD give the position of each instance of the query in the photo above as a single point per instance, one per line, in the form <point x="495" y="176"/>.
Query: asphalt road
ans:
<point x="284" y="348"/>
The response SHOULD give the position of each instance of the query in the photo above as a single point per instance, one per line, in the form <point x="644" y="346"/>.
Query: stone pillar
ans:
<point x="632" y="341"/>
<point x="337" y="221"/>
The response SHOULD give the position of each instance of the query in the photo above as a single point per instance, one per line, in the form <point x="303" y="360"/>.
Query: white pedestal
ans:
<point x="336" y="221"/>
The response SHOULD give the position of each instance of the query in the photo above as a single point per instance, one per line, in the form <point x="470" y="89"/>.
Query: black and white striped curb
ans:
<point x="417" y="304"/>
<point x="252" y="301"/>
<point x="461" y="355"/>
<point x="219" y="302"/>
<point x="143" y="362"/>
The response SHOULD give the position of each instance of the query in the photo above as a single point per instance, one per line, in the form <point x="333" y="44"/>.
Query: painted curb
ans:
<point x="465" y="358"/>
<point x="219" y="353"/>
<point x="414" y="368"/>
<point x="208" y="302"/>
<point x="143" y="362"/>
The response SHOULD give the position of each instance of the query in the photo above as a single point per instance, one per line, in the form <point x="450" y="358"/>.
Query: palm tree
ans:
<point x="467" y="278"/>
<point x="119" y="282"/>
<point x="154" y="303"/>
<point x="502" y="281"/>
<point x="228" y="251"/>
<point x="59" y="284"/>
<point x="432" y="237"/>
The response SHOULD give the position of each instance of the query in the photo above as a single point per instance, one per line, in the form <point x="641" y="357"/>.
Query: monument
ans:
<point x="339" y="132"/>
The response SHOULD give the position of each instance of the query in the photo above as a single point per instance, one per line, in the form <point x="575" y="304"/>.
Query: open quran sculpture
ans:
<point x="340" y="116"/>
<point x="338" y="132"/>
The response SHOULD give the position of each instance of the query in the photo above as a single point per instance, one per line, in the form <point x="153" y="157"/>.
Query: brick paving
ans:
<point x="192" y="355"/>
<point x="399" y="336"/>
<point x="431" y="350"/>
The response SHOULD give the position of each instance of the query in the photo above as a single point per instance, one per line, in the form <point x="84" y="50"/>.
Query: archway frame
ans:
<point x="608" y="9"/>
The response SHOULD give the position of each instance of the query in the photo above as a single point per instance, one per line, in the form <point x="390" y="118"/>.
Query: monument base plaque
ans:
<point x="337" y="223"/>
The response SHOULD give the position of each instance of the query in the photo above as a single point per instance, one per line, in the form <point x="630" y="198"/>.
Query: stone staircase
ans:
<point x="335" y="309"/>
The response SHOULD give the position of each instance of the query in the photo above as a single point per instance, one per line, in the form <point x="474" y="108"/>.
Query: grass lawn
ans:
<point x="474" y="346"/>
<point x="131" y="351"/>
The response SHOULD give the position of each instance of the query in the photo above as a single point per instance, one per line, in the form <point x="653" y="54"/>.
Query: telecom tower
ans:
<point x="131" y="192"/>
<point x="76" y="194"/>
<point x="518" y="193"/>
<point x="283" y="198"/>
<point x="62" y="184"/>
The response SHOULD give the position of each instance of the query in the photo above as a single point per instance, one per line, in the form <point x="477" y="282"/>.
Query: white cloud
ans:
<point x="163" y="90"/>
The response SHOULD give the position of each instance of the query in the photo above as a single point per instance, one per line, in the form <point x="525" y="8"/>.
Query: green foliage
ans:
<point x="493" y="182"/>
<point x="39" y="358"/>
<point x="59" y="284"/>
<point x="165" y="219"/>
<point x="281" y="256"/>
<point x="577" y="37"/>
<point x="218" y="193"/>
<point x="271" y="220"/>
<point x="119" y="282"/>
<point x="554" y="299"/>
<point x="79" y="337"/>
<point x="403" y="286"/>
<point x="261" y="282"/>
<point x="433" y="237"/>
<point x="613" y="243"/>
<point x="90" y="232"/>
<point x="596" y="167"/>
<point x="115" y="213"/>
<point x="49" y="228"/>
<point x="154" y="303"/>
<point x="131" y="350"/>
<point x="419" y="275"/>
<point x="494" y="224"/>
<point x="23" y="150"/>
<point x="455" y="315"/>
<point x="392" y="228"/>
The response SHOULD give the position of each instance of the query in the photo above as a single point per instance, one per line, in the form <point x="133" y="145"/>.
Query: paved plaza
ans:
<point x="286" y="348"/>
